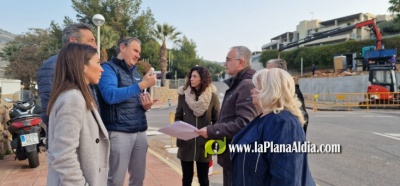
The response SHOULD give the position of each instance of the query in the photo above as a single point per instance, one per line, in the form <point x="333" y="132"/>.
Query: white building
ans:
<point x="310" y="28"/>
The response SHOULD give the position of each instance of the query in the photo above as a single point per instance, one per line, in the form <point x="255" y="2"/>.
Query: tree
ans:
<point x="395" y="8"/>
<point x="216" y="70"/>
<point x="143" y="67"/>
<point x="164" y="33"/>
<point x="26" y="53"/>
<point x="184" y="57"/>
<point x="150" y="53"/>
<point x="123" y="18"/>
<point x="121" y="15"/>
<point x="108" y="38"/>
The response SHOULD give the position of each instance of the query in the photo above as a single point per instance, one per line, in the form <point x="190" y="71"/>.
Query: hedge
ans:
<point x="322" y="56"/>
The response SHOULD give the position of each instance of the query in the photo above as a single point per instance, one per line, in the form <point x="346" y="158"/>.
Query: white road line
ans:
<point x="393" y="134"/>
<point x="386" y="136"/>
<point x="152" y="133"/>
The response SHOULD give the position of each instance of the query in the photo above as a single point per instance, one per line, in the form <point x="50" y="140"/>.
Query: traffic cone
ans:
<point x="210" y="168"/>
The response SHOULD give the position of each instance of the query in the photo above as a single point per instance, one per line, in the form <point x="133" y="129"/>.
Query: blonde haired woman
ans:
<point x="280" y="123"/>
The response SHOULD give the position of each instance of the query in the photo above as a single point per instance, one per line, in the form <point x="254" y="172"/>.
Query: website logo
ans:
<point x="208" y="148"/>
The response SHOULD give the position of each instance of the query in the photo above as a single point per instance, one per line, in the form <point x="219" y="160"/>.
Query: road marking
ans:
<point x="388" y="135"/>
<point x="393" y="134"/>
<point x="152" y="133"/>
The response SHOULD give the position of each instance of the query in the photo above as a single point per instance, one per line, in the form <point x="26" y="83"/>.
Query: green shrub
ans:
<point x="322" y="56"/>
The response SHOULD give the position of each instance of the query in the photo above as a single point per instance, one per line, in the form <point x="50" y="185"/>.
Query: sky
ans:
<point x="214" y="25"/>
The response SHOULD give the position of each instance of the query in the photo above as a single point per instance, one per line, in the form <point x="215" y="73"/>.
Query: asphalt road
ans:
<point x="370" y="144"/>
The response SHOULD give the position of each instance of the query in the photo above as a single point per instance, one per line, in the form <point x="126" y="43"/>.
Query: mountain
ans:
<point x="5" y="36"/>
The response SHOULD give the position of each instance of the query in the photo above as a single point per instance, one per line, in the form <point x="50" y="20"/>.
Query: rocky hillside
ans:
<point x="4" y="38"/>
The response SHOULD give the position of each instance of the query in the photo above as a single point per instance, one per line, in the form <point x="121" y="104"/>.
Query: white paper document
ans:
<point x="180" y="130"/>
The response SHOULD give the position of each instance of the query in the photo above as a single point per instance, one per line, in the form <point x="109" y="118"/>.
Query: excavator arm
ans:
<point x="370" y="23"/>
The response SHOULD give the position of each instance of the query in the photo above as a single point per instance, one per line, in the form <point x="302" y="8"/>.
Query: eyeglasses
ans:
<point x="228" y="59"/>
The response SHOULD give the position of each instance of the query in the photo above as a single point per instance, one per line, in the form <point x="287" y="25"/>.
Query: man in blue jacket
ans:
<point x="78" y="33"/>
<point x="123" y="107"/>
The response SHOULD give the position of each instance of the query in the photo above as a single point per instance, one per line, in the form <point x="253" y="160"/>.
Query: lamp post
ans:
<point x="98" y="20"/>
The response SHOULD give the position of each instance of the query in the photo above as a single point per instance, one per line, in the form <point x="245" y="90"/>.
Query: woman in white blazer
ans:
<point x="79" y="147"/>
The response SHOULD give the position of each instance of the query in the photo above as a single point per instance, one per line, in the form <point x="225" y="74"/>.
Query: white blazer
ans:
<point x="79" y="146"/>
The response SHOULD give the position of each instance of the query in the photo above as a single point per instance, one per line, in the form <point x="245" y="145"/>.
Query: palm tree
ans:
<point x="163" y="33"/>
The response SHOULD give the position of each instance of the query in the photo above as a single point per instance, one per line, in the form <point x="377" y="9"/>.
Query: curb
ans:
<point x="168" y="162"/>
<point x="329" y="109"/>
<point x="163" y="107"/>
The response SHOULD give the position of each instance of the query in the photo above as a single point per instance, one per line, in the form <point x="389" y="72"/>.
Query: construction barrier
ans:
<point x="172" y="120"/>
<point x="348" y="101"/>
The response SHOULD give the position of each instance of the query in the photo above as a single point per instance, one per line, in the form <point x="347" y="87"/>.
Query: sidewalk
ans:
<point x="165" y="104"/>
<point x="18" y="173"/>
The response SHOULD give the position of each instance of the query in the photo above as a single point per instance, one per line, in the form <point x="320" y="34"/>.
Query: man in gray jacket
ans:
<point x="73" y="33"/>
<point x="237" y="109"/>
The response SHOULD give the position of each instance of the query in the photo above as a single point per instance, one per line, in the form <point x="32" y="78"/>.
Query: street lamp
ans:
<point x="98" y="20"/>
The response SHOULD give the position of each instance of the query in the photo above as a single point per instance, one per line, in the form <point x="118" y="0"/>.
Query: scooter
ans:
<point x="24" y="126"/>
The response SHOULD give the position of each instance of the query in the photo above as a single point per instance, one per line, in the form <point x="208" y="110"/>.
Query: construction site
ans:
<point x="367" y="81"/>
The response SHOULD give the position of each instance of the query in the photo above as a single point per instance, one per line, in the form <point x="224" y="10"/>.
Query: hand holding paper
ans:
<point x="180" y="130"/>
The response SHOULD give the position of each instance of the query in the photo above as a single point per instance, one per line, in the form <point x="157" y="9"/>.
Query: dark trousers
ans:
<point x="227" y="175"/>
<point x="187" y="171"/>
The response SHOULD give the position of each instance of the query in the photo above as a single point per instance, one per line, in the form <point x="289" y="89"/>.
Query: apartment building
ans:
<point x="310" y="28"/>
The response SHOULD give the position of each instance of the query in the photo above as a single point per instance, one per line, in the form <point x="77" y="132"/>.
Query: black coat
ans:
<point x="193" y="149"/>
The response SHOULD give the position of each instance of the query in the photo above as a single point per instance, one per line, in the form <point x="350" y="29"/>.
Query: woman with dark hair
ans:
<point x="198" y="105"/>
<point x="79" y="147"/>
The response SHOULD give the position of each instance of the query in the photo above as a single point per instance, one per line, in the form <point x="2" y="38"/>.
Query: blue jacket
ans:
<point x="271" y="168"/>
<point x="120" y="105"/>
<point x="45" y="83"/>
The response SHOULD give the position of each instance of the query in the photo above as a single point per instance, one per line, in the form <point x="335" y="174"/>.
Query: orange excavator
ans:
<point x="384" y="86"/>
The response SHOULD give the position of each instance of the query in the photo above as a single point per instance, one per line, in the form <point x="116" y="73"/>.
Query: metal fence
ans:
<point x="173" y="84"/>
<point x="350" y="101"/>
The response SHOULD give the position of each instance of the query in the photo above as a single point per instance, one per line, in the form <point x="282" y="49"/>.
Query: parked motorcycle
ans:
<point x="24" y="126"/>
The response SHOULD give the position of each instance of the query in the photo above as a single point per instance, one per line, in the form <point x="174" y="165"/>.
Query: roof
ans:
<point x="284" y="34"/>
<point x="341" y="19"/>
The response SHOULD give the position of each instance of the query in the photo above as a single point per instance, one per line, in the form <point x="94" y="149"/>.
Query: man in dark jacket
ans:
<point x="123" y="107"/>
<point x="78" y="33"/>
<point x="280" y="63"/>
<point x="237" y="109"/>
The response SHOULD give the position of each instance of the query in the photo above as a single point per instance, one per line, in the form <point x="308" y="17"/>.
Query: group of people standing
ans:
<point x="257" y="107"/>
<point x="95" y="114"/>
<point x="96" y="117"/>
